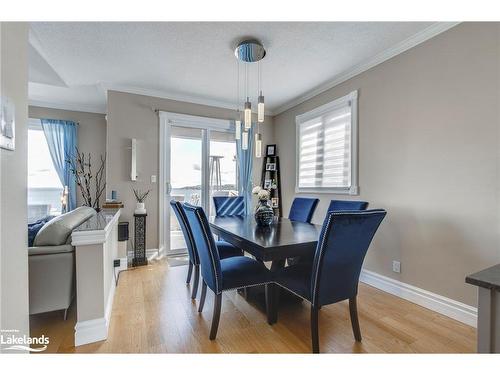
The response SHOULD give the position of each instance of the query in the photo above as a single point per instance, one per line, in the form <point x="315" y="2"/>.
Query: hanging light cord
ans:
<point x="259" y="78"/>
<point x="246" y="80"/>
<point x="238" y="87"/>
<point x="260" y="90"/>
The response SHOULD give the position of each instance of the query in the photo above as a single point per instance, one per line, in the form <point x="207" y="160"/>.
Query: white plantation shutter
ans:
<point x="325" y="147"/>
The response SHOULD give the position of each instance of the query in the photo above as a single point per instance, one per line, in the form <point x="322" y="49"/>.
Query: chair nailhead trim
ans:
<point x="246" y="286"/>
<point x="188" y="231"/>
<point x="210" y="250"/>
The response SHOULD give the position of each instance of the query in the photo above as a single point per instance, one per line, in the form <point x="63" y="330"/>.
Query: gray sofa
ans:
<point x="52" y="263"/>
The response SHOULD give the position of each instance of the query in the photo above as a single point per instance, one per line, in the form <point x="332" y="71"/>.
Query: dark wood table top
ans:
<point x="488" y="278"/>
<point x="282" y="239"/>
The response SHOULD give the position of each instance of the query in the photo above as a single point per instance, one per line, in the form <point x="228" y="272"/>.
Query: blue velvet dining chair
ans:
<point x="225" y="249"/>
<point x="229" y="206"/>
<point x="336" y="205"/>
<point x="334" y="273"/>
<point x="303" y="209"/>
<point x="222" y="274"/>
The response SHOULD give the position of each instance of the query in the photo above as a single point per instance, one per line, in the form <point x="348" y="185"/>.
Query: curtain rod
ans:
<point x="158" y="110"/>
<point x="40" y="118"/>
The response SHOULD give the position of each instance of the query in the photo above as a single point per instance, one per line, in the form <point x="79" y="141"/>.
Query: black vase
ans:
<point x="264" y="214"/>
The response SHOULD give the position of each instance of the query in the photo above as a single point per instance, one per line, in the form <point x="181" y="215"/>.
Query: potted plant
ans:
<point x="91" y="184"/>
<point x="140" y="196"/>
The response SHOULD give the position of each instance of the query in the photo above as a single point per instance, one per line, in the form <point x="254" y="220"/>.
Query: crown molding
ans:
<point x="68" y="106"/>
<point x="173" y="96"/>
<point x="389" y="53"/>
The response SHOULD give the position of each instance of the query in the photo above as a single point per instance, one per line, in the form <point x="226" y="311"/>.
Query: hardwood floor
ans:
<point x="153" y="313"/>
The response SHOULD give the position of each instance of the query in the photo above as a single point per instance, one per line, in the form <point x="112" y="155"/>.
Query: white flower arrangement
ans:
<point x="263" y="195"/>
<point x="256" y="190"/>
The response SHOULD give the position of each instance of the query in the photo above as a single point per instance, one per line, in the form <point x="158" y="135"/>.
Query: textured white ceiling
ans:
<point x="194" y="60"/>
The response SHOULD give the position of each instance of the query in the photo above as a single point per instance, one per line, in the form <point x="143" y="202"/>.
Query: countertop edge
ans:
<point x="97" y="236"/>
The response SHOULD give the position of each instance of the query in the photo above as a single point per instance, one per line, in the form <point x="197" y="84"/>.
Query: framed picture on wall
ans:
<point x="270" y="166"/>
<point x="274" y="202"/>
<point x="7" y="124"/>
<point x="271" y="150"/>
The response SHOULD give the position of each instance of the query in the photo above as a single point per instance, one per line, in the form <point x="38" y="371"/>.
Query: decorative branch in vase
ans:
<point x="140" y="197"/>
<point x="81" y="167"/>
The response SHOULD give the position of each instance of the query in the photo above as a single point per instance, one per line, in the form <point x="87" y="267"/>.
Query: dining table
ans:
<point x="281" y="240"/>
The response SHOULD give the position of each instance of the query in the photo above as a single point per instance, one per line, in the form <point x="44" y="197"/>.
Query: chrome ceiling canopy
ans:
<point x="250" y="50"/>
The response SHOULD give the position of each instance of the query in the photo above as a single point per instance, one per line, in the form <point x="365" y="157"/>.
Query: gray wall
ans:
<point x="91" y="132"/>
<point x="131" y="116"/>
<point x="428" y="153"/>
<point x="13" y="176"/>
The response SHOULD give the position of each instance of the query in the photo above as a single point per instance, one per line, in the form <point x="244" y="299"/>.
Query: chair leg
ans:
<point x="353" y="310"/>
<point x="196" y="281"/>
<point x="216" y="316"/>
<point x="314" y="329"/>
<point x="66" y="313"/>
<point x="190" y="271"/>
<point x="202" y="297"/>
<point x="270" y="304"/>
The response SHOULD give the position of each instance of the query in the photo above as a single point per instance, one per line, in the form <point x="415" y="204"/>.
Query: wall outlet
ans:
<point x="153" y="179"/>
<point x="116" y="263"/>
<point x="396" y="266"/>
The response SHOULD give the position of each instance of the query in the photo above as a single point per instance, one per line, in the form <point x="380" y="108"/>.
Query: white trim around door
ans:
<point x="166" y="121"/>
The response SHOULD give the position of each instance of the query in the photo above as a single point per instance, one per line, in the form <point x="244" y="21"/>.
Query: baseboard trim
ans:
<point x="90" y="331"/>
<point x="432" y="301"/>
<point x="152" y="254"/>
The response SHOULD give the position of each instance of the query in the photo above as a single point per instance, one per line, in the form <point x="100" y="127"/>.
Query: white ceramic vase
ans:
<point x="140" y="208"/>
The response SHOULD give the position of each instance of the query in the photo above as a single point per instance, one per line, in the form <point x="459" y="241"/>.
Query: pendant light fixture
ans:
<point x="244" y="140"/>
<point x="250" y="51"/>
<point x="237" y="125"/>
<point x="260" y="100"/>
<point x="248" y="105"/>
<point x="260" y="116"/>
<point x="248" y="114"/>
<point x="258" y="145"/>
<point x="237" y="122"/>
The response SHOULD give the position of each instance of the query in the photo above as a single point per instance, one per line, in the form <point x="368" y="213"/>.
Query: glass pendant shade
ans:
<point x="258" y="145"/>
<point x="248" y="114"/>
<point x="237" y="129"/>
<point x="260" y="108"/>
<point x="244" y="141"/>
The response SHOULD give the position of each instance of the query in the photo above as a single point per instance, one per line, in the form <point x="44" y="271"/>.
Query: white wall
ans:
<point x="13" y="175"/>
<point x="428" y="154"/>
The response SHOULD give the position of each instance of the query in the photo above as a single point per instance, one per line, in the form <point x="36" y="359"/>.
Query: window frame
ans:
<point x="35" y="124"/>
<point x="353" y="189"/>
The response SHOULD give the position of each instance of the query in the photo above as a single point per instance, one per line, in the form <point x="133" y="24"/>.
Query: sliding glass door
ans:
<point x="186" y="146"/>
<point x="222" y="166"/>
<point x="197" y="162"/>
